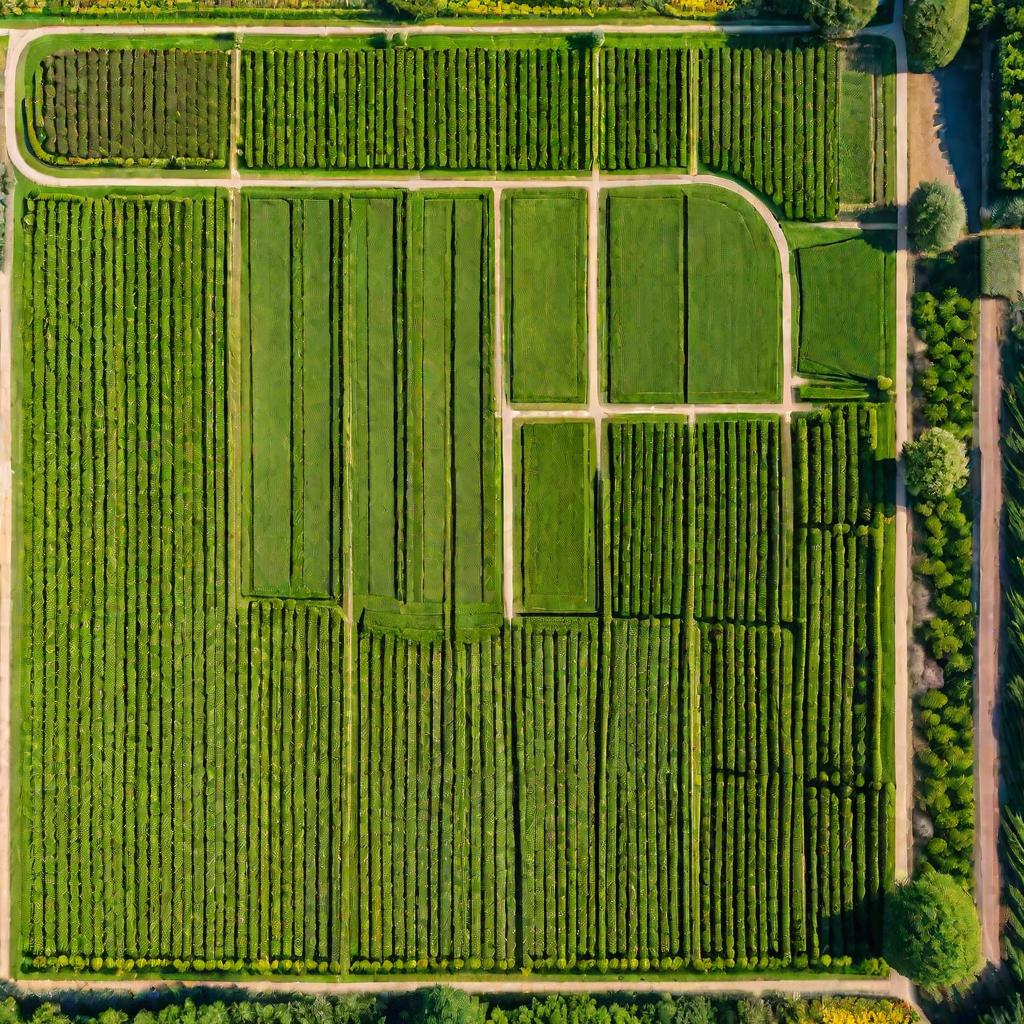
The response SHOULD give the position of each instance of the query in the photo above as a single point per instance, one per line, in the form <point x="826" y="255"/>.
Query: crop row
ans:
<point x="460" y="108"/>
<point x="132" y="106"/>
<point x="435" y="830"/>
<point x="836" y="476"/>
<point x="839" y="671"/>
<point x="738" y="531"/>
<point x="651" y="464"/>
<point x="771" y="117"/>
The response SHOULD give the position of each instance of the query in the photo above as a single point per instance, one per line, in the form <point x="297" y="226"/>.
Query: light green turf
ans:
<point x="545" y="295"/>
<point x="843" y="309"/>
<point x="556" y="517"/>
<point x="271" y="372"/>
<point x="734" y="336"/>
<point x="856" y="131"/>
<point x="646" y="300"/>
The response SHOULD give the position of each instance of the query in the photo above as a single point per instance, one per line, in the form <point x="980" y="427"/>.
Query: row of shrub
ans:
<point x="1011" y="737"/>
<point x="128" y="105"/>
<point x="1010" y="122"/>
<point x="499" y="108"/>
<point x="837" y="477"/>
<point x="770" y="116"/>
<point x="738" y="532"/>
<point x="649" y="470"/>
<point x="453" y="1006"/>
<point x="947" y="324"/>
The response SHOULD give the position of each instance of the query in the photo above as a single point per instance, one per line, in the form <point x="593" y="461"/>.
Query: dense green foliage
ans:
<point x="935" y="31"/>
<point x="932" y="933"/>
<point x="1000" y="259"/>
<point x="1010" y="122"/>
<point x="936" y="216"/>
<point x="1012" y="695"/>
<point x="936" y="464"/>
<point x="129" y="106"/>
<point x="334" y="754"/>
<point x="458" y="107"/>
<point x="945" y="759"/>
<point x="839" y="17"/>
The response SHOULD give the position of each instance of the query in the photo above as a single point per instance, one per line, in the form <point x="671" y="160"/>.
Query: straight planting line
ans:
<point x="605" y="410"/>
<point x="6" y="578"/>
<point x="236" y="110"/>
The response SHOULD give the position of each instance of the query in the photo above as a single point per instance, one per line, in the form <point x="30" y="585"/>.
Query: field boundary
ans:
<point x="595" y="409"/>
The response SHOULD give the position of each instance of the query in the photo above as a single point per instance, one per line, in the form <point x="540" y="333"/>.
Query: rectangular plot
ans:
<point x="292" y="377"/>
<point x="556" y="517"/>
<point x="646" y="302"/>
<point x="545" y="287"/>
<point x="373" y="339"/>
<point x="733" y="331"/>
<point x="271" y="373"/>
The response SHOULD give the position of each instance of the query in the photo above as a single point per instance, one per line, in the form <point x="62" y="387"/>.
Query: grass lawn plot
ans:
<point x="845" y="280"/>
<point x="692" y="298"/>
<point x="545" y="266"/>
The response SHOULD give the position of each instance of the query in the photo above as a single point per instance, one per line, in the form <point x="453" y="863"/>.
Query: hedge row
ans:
<point x="1010" y="122"/>
<point x="737" y="535"/>
<point x="1011" y="738"/>
<point x="770" y="116"/>
<point x="127" y="106"/>
<point x="836" y="476"/>
<point x="651" y="464"/>
<point x="435" y="853"/>
<point x="458" y="108"/>
<point x="944" y="792"/>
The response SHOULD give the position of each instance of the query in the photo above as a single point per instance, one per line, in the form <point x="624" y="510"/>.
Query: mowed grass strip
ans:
<point x="546" y="285"/>
<point x="270" y="332"/>
<point x="856" y="137"/>
<point x="842" y="309"/>
<point x="556" y="517"/>
<point x="646" y="304"/>
<point x="734" y="332"/>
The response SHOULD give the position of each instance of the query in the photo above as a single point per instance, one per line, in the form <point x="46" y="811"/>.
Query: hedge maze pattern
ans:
<point x="683" y="767"/>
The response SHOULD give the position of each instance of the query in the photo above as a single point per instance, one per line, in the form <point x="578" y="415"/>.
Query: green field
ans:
<point x="693" y="298"/>
<point x="846" y="332"/>
<point x="360" y="632"/>
<point x="545" y="254"/>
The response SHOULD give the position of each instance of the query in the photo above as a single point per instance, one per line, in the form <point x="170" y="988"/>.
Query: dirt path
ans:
<point x="987" y="523"/>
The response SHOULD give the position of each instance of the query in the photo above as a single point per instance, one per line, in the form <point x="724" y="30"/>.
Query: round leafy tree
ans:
<point x="932" y="934"/>
<point x="936" y="464"/>
<point x="935" y="31"/>
<point x="839" y="17"/>
<point x="443" y="1005"/>
<point x="937" y="217"/>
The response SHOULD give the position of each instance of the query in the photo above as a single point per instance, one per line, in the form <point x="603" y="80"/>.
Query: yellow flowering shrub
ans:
<point x="866" y="1011"/>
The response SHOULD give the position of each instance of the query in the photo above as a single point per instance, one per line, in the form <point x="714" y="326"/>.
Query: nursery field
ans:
<point x="443" y="577"/>
<point x="267" y="666"/>
<point x="807" y="125"/>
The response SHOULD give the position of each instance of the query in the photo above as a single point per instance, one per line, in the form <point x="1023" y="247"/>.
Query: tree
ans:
<point x="936" y="464"/>
<point x="932" y="933"/>
<point x="937" y="217"/>
<point x="935" y="31"/>
<point x="443" y="1005"/>
<point x="836" y="18"/>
